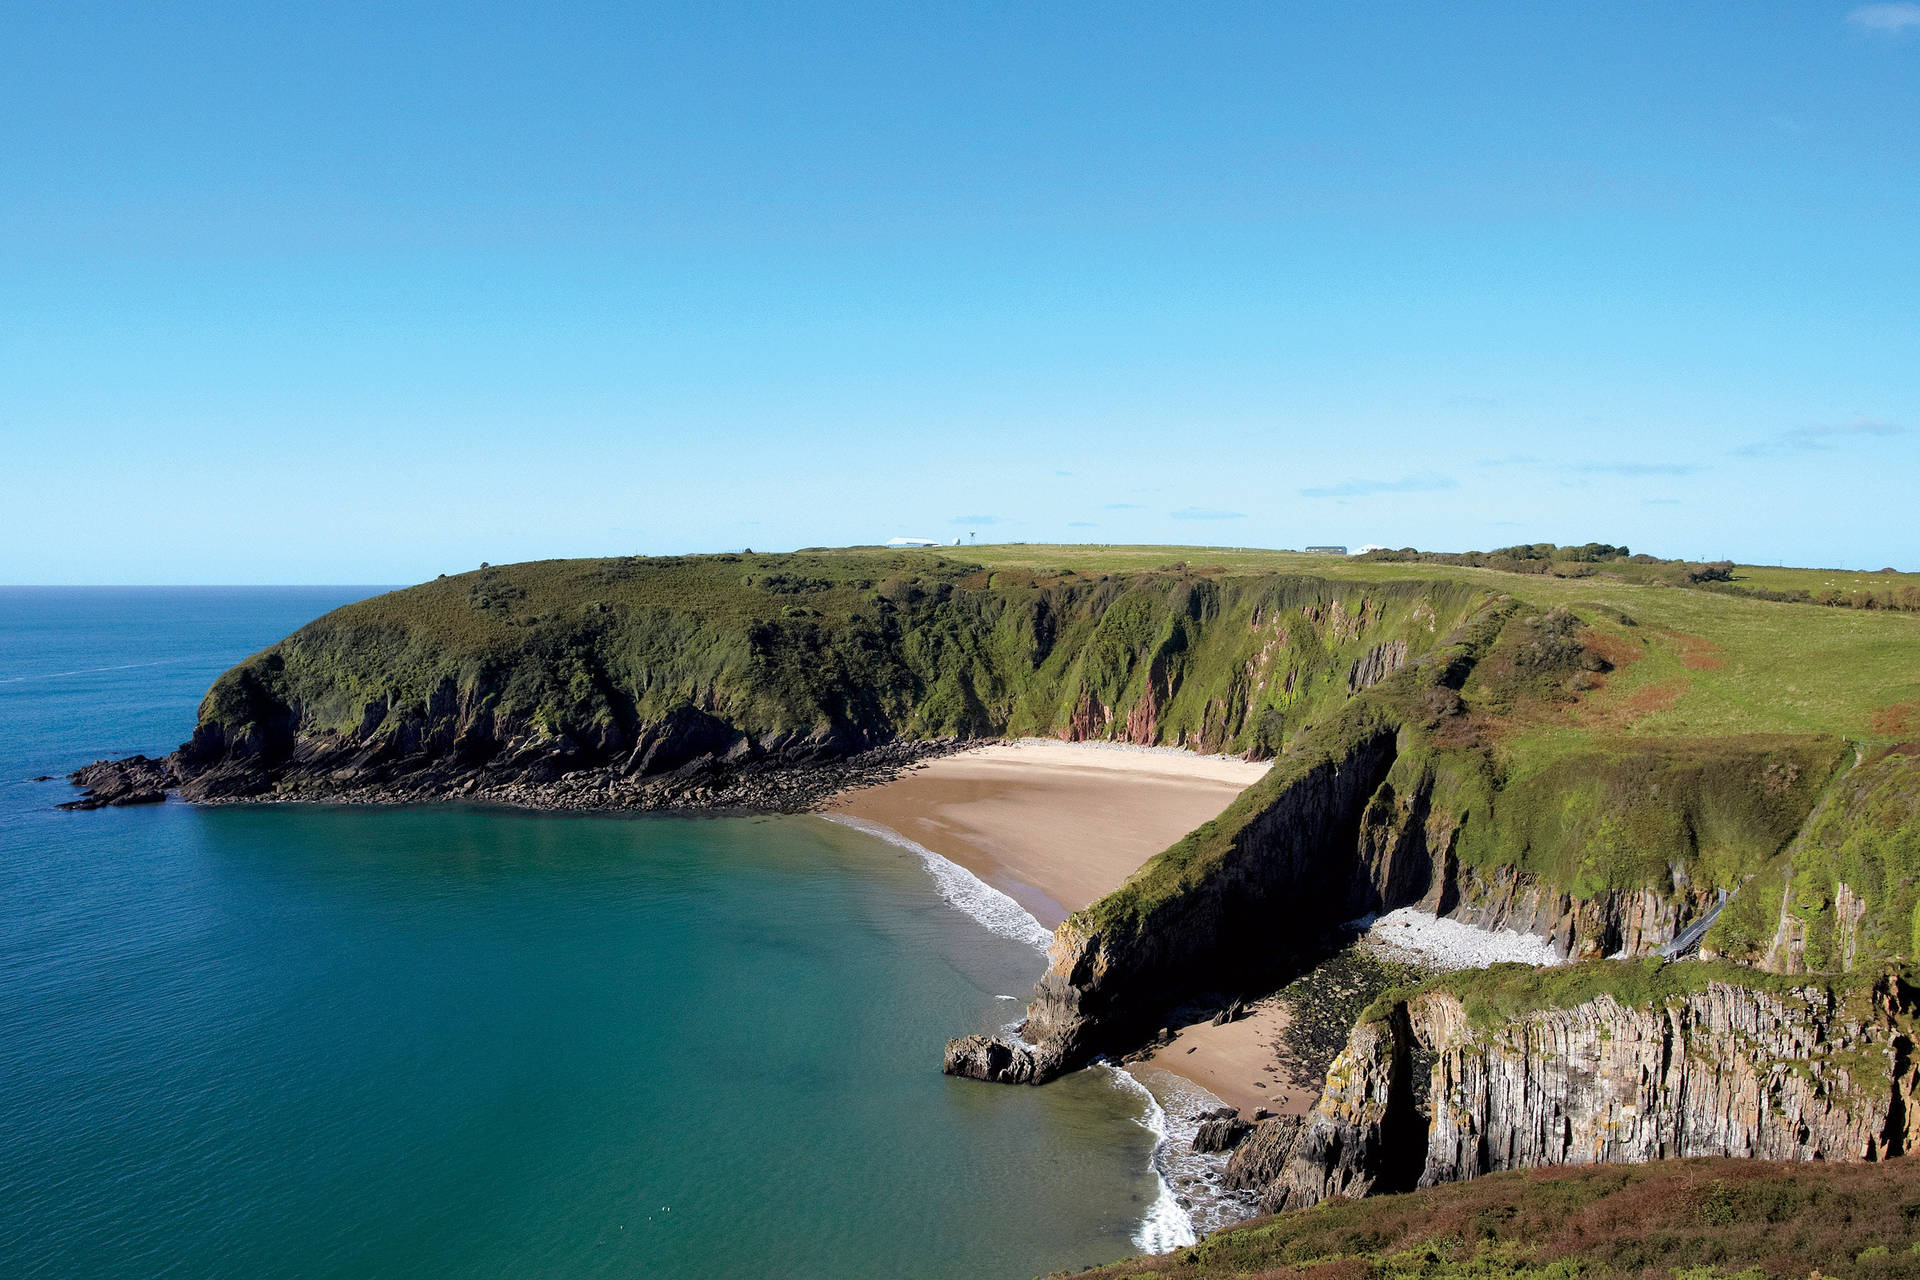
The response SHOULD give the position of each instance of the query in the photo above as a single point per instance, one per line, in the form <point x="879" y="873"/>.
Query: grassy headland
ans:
<point x="1597" y="725"/>
<point x="1578" y="730"/>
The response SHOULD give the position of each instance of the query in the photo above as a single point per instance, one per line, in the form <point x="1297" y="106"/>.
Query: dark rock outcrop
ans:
<point x="534" y="775"/>
<point x="136" y="780"/>
<point x="991" y="1059"/>
<point x="1259" y="1159"/>
<point x="1222" y="1130"/>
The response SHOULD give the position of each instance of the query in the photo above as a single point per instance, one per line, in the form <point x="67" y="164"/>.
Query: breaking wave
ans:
<point x="1167" y="1224"/>
<point x="963" y="889"/>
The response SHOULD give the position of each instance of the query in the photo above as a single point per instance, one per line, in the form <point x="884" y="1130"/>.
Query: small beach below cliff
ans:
<point x="1053" y="825"/>
<point x="1056" y="826"/>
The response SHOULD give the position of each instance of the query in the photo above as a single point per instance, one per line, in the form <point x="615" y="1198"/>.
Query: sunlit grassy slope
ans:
<point x="1695" y="662"/>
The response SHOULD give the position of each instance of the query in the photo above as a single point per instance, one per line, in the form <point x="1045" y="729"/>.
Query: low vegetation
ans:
<point x="865" y="645"/>
<point x="1585" y="717"/>
<point x="1674" y="1220"/>
<point x="1845" y="893"/>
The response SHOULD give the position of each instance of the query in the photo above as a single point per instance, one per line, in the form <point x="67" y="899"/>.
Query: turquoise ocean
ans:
<point x="311" y="1041"/>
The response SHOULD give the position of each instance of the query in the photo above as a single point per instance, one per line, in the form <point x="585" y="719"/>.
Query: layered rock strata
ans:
<point x="1422" y="1094"/>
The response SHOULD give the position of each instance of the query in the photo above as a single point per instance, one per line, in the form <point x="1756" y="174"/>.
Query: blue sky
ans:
<point x="368" y="293"/>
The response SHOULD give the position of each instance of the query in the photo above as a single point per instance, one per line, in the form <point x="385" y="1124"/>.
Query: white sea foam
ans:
<point x="1197" y="1177"/>
<point x="962" y="888"/>
<point x="1167" y="1225"/>
<point x="1439" y="943"/>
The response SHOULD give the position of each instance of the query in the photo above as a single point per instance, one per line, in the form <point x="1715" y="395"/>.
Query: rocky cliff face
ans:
<point x="1104" y="985"/>
<point x="1426" y="1093"/>
<point x="1629" y="922"/>
<point x="637" y="683"/>
<point x="1397" y="801"/>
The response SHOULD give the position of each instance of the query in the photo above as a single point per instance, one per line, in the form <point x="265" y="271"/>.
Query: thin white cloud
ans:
<point x="1817" y="439"/>
<point x="1636" y="468"/>
<point x="1887" y="19"/>
<point x="1352" y="487"/>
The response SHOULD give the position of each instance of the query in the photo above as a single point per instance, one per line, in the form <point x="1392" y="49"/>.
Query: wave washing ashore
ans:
<point x="1176" y="1217"/>
<point x="1018" y="835"/>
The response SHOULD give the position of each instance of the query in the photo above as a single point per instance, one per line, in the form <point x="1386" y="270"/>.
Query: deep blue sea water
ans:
<point x="320" y="1042"/>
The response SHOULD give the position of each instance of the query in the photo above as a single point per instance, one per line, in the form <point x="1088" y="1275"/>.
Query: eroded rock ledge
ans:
<point x="773" y="776"/>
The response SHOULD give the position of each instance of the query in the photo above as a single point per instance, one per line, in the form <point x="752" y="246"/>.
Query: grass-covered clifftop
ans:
<point x="1588" y="732"/>
<point x="845" y="648"/>
<point x="1008" y="638"/>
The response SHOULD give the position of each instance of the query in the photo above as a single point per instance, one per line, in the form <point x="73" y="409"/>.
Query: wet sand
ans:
<point x="1242" y="1063"/>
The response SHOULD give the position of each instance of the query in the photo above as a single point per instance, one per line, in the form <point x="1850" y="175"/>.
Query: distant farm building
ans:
<point x="913" y="542"/>
<point x="1326" y="551"/>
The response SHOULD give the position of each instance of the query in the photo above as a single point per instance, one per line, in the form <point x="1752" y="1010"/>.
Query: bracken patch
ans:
<point x="1901" y="720"/>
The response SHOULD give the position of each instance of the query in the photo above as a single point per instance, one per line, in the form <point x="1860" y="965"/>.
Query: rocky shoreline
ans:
<point x="768" y="783"/>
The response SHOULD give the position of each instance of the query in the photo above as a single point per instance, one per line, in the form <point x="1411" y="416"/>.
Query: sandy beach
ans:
<point x="1242" y="1062"/>
<point x="1056" y="825"/>
<point x="1053" y="825"/>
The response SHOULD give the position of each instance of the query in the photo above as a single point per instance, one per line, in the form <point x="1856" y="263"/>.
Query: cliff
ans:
<point x="1479" y="783"/>
<point x="1402" y="797"/>
<point x="1620" y="1062"/>
<point x="638" y="682"/>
